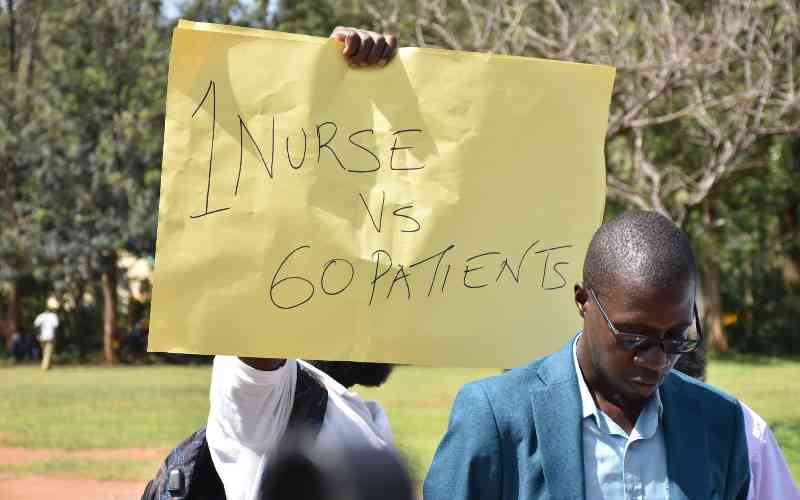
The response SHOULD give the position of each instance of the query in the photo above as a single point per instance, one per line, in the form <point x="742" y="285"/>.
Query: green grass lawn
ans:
<point x="157" y="406"/>
<point x="96" y="407"/>
<point x="768" y="387"/>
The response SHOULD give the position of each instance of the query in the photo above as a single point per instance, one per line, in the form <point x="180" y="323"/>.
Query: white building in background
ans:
<point x="136" y="282"/>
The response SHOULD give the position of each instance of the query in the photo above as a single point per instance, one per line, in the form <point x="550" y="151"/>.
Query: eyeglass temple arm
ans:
<point x="697" y="323"/>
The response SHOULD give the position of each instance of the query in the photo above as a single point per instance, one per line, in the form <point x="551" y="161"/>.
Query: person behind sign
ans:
<point x="770" y="476"/>
<point x="254" y="401"/>
<point x="605" y="417"/>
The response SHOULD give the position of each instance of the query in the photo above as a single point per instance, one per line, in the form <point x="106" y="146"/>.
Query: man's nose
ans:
<point x="653" y="358"/>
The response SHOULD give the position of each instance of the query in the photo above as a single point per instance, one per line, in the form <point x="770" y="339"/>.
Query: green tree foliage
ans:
<point x="757" y="220"/>
<point x="221" y="12"/>
<point x="320" y="17"/>
<point x="309" y="17"/>
<point x="80" y="142"/>
<point x="20" y="155"/>
<point x="103" y="96"/>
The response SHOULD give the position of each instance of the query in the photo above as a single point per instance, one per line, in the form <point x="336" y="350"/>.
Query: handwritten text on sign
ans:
<point x="435" y="211"/>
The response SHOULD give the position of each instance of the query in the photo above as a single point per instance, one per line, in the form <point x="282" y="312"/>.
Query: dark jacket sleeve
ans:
<point x="738" y="480"/>
<point x="467" y="464"/>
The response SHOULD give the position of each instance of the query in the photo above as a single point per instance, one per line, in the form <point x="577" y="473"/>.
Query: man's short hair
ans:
<point x="641" y="247"/>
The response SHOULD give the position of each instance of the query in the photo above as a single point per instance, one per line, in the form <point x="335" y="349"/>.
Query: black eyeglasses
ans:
<point x="636" y="342"/>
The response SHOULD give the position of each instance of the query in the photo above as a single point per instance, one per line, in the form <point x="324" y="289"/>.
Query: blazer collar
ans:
<point x="558" y="368"/>
<point x="686" y="442"/>
<point x="557" y="415"/>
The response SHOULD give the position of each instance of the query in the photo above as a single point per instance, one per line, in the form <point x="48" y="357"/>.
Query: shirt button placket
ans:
<point x="634" y="490"/>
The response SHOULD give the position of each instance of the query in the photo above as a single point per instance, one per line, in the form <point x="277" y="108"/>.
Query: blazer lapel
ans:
<point x="686" y="443"/>
<point x="557" y="417"/>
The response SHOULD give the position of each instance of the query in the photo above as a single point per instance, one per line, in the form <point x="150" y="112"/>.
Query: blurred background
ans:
<point x="704" y="127"/>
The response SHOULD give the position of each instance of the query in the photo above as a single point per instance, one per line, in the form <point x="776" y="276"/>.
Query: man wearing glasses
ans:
<point x="606" y="417"/>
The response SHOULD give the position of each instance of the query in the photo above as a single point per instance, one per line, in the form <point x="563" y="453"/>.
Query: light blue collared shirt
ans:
<point x="617" y="465"/>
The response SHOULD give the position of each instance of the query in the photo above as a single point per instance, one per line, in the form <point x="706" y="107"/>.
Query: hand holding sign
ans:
<point x="434" y="211"/>
<point x="365" y="48"/>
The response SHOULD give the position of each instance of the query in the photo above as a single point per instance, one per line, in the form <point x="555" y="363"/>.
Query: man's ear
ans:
<point x="581" y="298"/>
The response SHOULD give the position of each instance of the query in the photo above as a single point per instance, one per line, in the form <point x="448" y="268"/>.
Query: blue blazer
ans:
<point x="517" y="436"/>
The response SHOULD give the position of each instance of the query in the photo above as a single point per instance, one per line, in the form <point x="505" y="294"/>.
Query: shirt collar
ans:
<point x="589" y="408"/>
<point x="648" y="420"/>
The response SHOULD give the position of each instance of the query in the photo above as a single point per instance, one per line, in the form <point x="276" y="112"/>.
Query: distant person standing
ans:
<point x="47" y="323"/>
<point x="16" y="347"/>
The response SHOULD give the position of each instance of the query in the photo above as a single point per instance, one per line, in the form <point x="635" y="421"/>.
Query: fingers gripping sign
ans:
<point x="365" y="48"/>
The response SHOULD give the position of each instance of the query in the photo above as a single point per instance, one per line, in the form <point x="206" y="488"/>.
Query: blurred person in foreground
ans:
<point x="255" y="402"/>
<point x="770" y="477"/>
<point x="303" y="470"/>
<point x="605" y="417"/>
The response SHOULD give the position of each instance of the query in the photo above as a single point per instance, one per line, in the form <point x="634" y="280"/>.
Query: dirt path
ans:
<point x="20" y="456"/>
<point x="66" y="488"/>
<point x="62" y="487"/>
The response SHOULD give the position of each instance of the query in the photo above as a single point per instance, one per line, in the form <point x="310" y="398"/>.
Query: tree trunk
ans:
<point x="791" y="271"/>
<point x="712" y="294"/>
<point x="790" y="219"/>
<point x="713" y="308"/>
<point x="109" y="282"/>
<point x="12" y="37"/>
<point x="790" y="229"/>
<point x="13" y="312"/>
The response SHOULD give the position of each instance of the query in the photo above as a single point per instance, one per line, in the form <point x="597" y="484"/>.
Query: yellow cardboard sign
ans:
<point x="434" y="211"/>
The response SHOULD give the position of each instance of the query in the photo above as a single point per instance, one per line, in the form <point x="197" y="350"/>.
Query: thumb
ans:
<point x="341" y="35"/>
